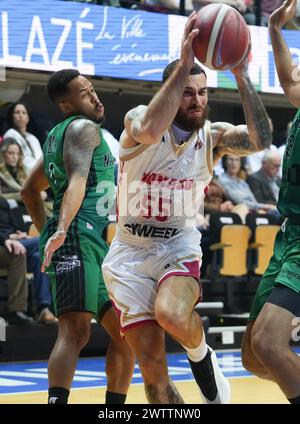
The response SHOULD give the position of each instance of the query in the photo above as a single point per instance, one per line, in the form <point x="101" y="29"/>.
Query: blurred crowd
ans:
<point x="255" y="12"/>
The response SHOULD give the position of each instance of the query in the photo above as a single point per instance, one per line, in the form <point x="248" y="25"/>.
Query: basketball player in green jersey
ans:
<point x="274" y="317"/>
<point x="78" y="166"/>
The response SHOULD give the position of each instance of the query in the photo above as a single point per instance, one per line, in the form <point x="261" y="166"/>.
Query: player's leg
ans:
<point x="73" y="334"/>
<point x="271" y="335"/>
<point x="133" y="293"/>
<point x="148" y="343"/>
<point x="250" y="360"/>
<point x="174" y="310"/>
<point x="119" y="356"/>
<point x="120" y="360"/>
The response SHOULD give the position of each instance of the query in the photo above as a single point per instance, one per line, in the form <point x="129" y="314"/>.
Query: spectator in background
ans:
<point x="215" y="199"/>
<point x="18" y="242"/>
<point x="13" y="258"/>
<point x="13" y="175"/>
<point x="12" y="172"/>
<point x="254" y="162"/>
<point x="18" y="120"/>
<point x="265" y="183"/>
<point x="236" y="188"/>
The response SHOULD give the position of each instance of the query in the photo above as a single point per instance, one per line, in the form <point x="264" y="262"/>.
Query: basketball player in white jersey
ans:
<point x="152" y="270"/>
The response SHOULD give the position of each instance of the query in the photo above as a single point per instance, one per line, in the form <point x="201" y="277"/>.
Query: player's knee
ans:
<point x="249" y="361"/>
<point x="173" y="321"/>
<point x="261" y="346"/>
<point x="77" y="333"/>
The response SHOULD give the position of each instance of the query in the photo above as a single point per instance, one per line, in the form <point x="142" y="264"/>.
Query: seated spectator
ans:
<point x="265" y="183"/>
<point x="13" y="175"/>
<point x="216" y="201"/>
<point x="215" y="198"/>
<point x="236" y="188"/>
<point x="30" y="248"/>
<point x="254" y="162"/>
<point x="18" y="120"/>
<point x="13" y="259"/>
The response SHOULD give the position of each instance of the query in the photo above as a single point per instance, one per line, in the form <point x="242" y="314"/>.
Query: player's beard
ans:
<point x="191" y="123"/>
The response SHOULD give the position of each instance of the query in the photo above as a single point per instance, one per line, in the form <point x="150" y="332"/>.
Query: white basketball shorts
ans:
<point x="133" y="274"/>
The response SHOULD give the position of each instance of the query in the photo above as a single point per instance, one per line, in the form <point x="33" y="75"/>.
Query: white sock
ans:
<point x="199" y="352"/>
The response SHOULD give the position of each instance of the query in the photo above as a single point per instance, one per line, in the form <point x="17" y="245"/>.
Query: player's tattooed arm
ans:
<point x="245" y="139"/>
<point x="81" y="139"/>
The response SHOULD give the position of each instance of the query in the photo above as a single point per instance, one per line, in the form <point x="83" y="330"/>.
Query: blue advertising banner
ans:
<point x="115" y="42"/>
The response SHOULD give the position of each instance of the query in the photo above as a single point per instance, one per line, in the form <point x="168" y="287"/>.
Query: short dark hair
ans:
<point x="169" y="69"/>
<point x="57" y="86"/>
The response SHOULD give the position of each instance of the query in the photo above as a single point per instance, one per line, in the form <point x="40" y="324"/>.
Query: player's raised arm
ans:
<point x="146" y="126"/>
<point x="287" y="71"/>
<point x="244" y="139"/>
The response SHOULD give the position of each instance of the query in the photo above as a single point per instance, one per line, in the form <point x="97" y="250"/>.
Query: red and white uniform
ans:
<point x="161" y="188"/>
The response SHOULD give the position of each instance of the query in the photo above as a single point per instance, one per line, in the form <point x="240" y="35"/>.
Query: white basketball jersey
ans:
<point x="161" y="187"/>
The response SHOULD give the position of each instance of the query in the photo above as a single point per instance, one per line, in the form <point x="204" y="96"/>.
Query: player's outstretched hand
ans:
<point x="54" y="243"/>
<point x="187" y="54"/>
<point x="283" y="14"/>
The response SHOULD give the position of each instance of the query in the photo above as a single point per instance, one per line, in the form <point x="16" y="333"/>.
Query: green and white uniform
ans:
<point x="75" y="269"/>
<point x="284" y="266"/>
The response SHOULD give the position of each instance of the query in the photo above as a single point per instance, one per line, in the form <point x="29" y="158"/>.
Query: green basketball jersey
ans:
<point x="289" y="195"/>
<point x="100" y="188"/>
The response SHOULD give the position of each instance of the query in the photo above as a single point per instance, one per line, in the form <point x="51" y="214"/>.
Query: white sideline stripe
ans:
<point x="234" y="329"/>
<point x="5" y="382"/>
<point x="214" y="35"/>
<point x="39" y="375"/>
<point x="210" y="305"/>
<point x="98" y="374"/>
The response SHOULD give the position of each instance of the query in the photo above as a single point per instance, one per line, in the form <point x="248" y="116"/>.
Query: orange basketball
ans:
<point x="223" y="38"/>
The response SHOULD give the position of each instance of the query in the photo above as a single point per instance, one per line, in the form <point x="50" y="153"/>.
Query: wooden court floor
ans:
<point x="245" y="390"/>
